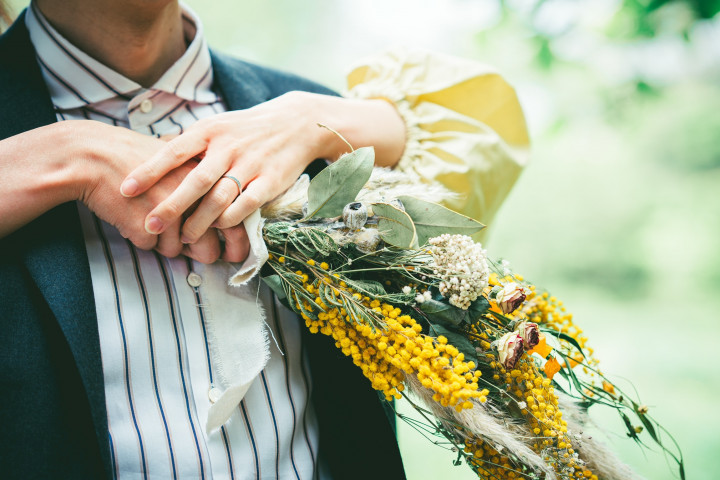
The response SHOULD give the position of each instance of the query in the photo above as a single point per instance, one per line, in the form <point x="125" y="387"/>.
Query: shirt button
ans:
<point x="194" y="280"/>
<point x="214" y="394"/>
<point x="146" y="105"/>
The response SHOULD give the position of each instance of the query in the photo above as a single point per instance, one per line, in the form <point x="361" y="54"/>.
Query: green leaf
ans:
<point x="339" y="183"/>
<point x="457" y="340"/>
<point x="275" y="284"/>
<point x="478" y="308"/>
<point x="368" y="286"/>
<point x="629" y="426"/>
<point x="564" y="336"/>
<point x="444" y="312"/>
<point x="395" y="226"/>
<point x="432" y="220"/>
<point x="649" y="427"/>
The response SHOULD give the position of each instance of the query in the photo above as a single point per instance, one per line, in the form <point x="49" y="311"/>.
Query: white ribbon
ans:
<point x="237" y="332"/>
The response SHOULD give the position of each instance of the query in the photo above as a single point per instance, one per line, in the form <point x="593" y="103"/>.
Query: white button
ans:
<point x="214" y="394"/>
<point x="146" y="105"/>
<point x="194" y="280"/>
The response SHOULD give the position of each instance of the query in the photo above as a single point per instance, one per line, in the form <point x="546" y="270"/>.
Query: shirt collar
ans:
<point x="75" y="79"/>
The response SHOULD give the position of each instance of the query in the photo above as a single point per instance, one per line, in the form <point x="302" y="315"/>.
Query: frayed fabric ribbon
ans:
<point x="239" y="343"/>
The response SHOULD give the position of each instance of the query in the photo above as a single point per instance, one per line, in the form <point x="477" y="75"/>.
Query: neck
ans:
<point x="138" y="39"/>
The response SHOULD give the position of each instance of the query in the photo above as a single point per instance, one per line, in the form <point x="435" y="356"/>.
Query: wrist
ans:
<point x="362" y="123"/>
<point x="78" y="173"/>
<point x="57" y="172"/>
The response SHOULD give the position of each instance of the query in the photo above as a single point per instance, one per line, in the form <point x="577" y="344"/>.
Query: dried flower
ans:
<point x="542" y="348"/>
<point x="510" y="349"/>
<point x="462" y="267"/>
<point x="529" y="333"/>
<point x="367" y="239"/>
<point x="510" y="297"/>
<point x="355" y="215"/>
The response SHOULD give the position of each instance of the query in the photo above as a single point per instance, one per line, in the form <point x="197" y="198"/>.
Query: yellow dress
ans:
<point x="465" y="127"/>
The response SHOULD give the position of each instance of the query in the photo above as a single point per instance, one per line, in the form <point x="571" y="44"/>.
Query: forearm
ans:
<point x="363" y="123"/>
<point x="40" y="169"/>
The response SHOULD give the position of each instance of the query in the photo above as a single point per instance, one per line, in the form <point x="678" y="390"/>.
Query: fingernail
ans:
<point x="185" y="240"/>
<point x="154" y="225"/>
<point x="129" y="187"/>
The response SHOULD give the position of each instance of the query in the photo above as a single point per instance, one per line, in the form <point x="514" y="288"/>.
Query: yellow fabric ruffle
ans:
<point x="465" y="127"/>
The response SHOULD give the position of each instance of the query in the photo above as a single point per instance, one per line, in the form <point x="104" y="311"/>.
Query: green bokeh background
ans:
<point x="619" y="212"/>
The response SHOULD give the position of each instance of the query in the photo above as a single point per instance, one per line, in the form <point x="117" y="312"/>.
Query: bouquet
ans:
<point x="495" y="367"/>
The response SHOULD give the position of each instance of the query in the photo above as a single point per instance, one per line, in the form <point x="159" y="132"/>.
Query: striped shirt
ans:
<point x="157" y="367"/>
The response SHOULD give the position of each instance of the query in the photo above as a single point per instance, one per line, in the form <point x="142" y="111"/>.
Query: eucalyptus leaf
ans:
<point x="432" y="220"/>
<point x="275" y="284"/>
<point x="339" y="183"/>
<point x="395" y="226"/>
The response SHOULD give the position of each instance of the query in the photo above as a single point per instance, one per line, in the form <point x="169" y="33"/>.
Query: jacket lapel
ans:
<point x="238" y="83"/>
<point x="52" y="247"/>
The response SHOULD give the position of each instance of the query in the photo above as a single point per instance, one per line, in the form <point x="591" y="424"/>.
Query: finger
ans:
<point x="141" y="239"/>
<point x="206" y="249"/>
<point x="237" y="246"/>
<point x="211" y="207"/>
<point x="255" y="195"/>
<point x="169" y="244"/>
<point x="173" y="154"/>
<point x="196" y="184"/>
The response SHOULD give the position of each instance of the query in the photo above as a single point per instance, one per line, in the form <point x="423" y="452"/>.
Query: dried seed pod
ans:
<point x="355" y="215"/>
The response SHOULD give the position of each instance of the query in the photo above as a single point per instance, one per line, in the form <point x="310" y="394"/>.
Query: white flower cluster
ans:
<point x="462" y="267"/>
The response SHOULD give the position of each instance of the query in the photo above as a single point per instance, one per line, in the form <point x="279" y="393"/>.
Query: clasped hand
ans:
<point x="265" y="148"/>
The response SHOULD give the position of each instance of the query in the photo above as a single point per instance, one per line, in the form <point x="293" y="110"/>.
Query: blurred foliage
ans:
<point x="632" y="19"/>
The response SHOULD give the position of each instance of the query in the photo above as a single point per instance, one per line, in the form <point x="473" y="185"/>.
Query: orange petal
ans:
<point x="575" y="360"/>
<point x="608" y="387"/>
<point x="552" y="366"/>
<point x="542" y="348"/>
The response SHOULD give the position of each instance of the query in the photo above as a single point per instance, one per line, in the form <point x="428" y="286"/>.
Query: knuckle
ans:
<point x="174" y="151"/>
<point x="203" y="179"/>
<point x="148" y="171"/>
<point x="226" y="221"/>
<point x="252" y="200"/>
<point x="170" y="209"/>
<point x="221" y="198"/>
<point x="143" y="241"/>
<point x="206" y="257"/>
<point x="169" y="250"/>
<point x="235" y="149"/>
<point x="192" y="232"/>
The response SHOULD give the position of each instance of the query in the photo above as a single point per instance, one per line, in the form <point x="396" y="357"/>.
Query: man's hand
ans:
<point x="265" y="148"/>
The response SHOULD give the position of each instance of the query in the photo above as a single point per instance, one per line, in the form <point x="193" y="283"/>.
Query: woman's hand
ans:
<point x="265" y="148"/>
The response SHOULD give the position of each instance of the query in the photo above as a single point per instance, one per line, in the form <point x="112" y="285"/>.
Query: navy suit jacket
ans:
<point x="53" y="421"/>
